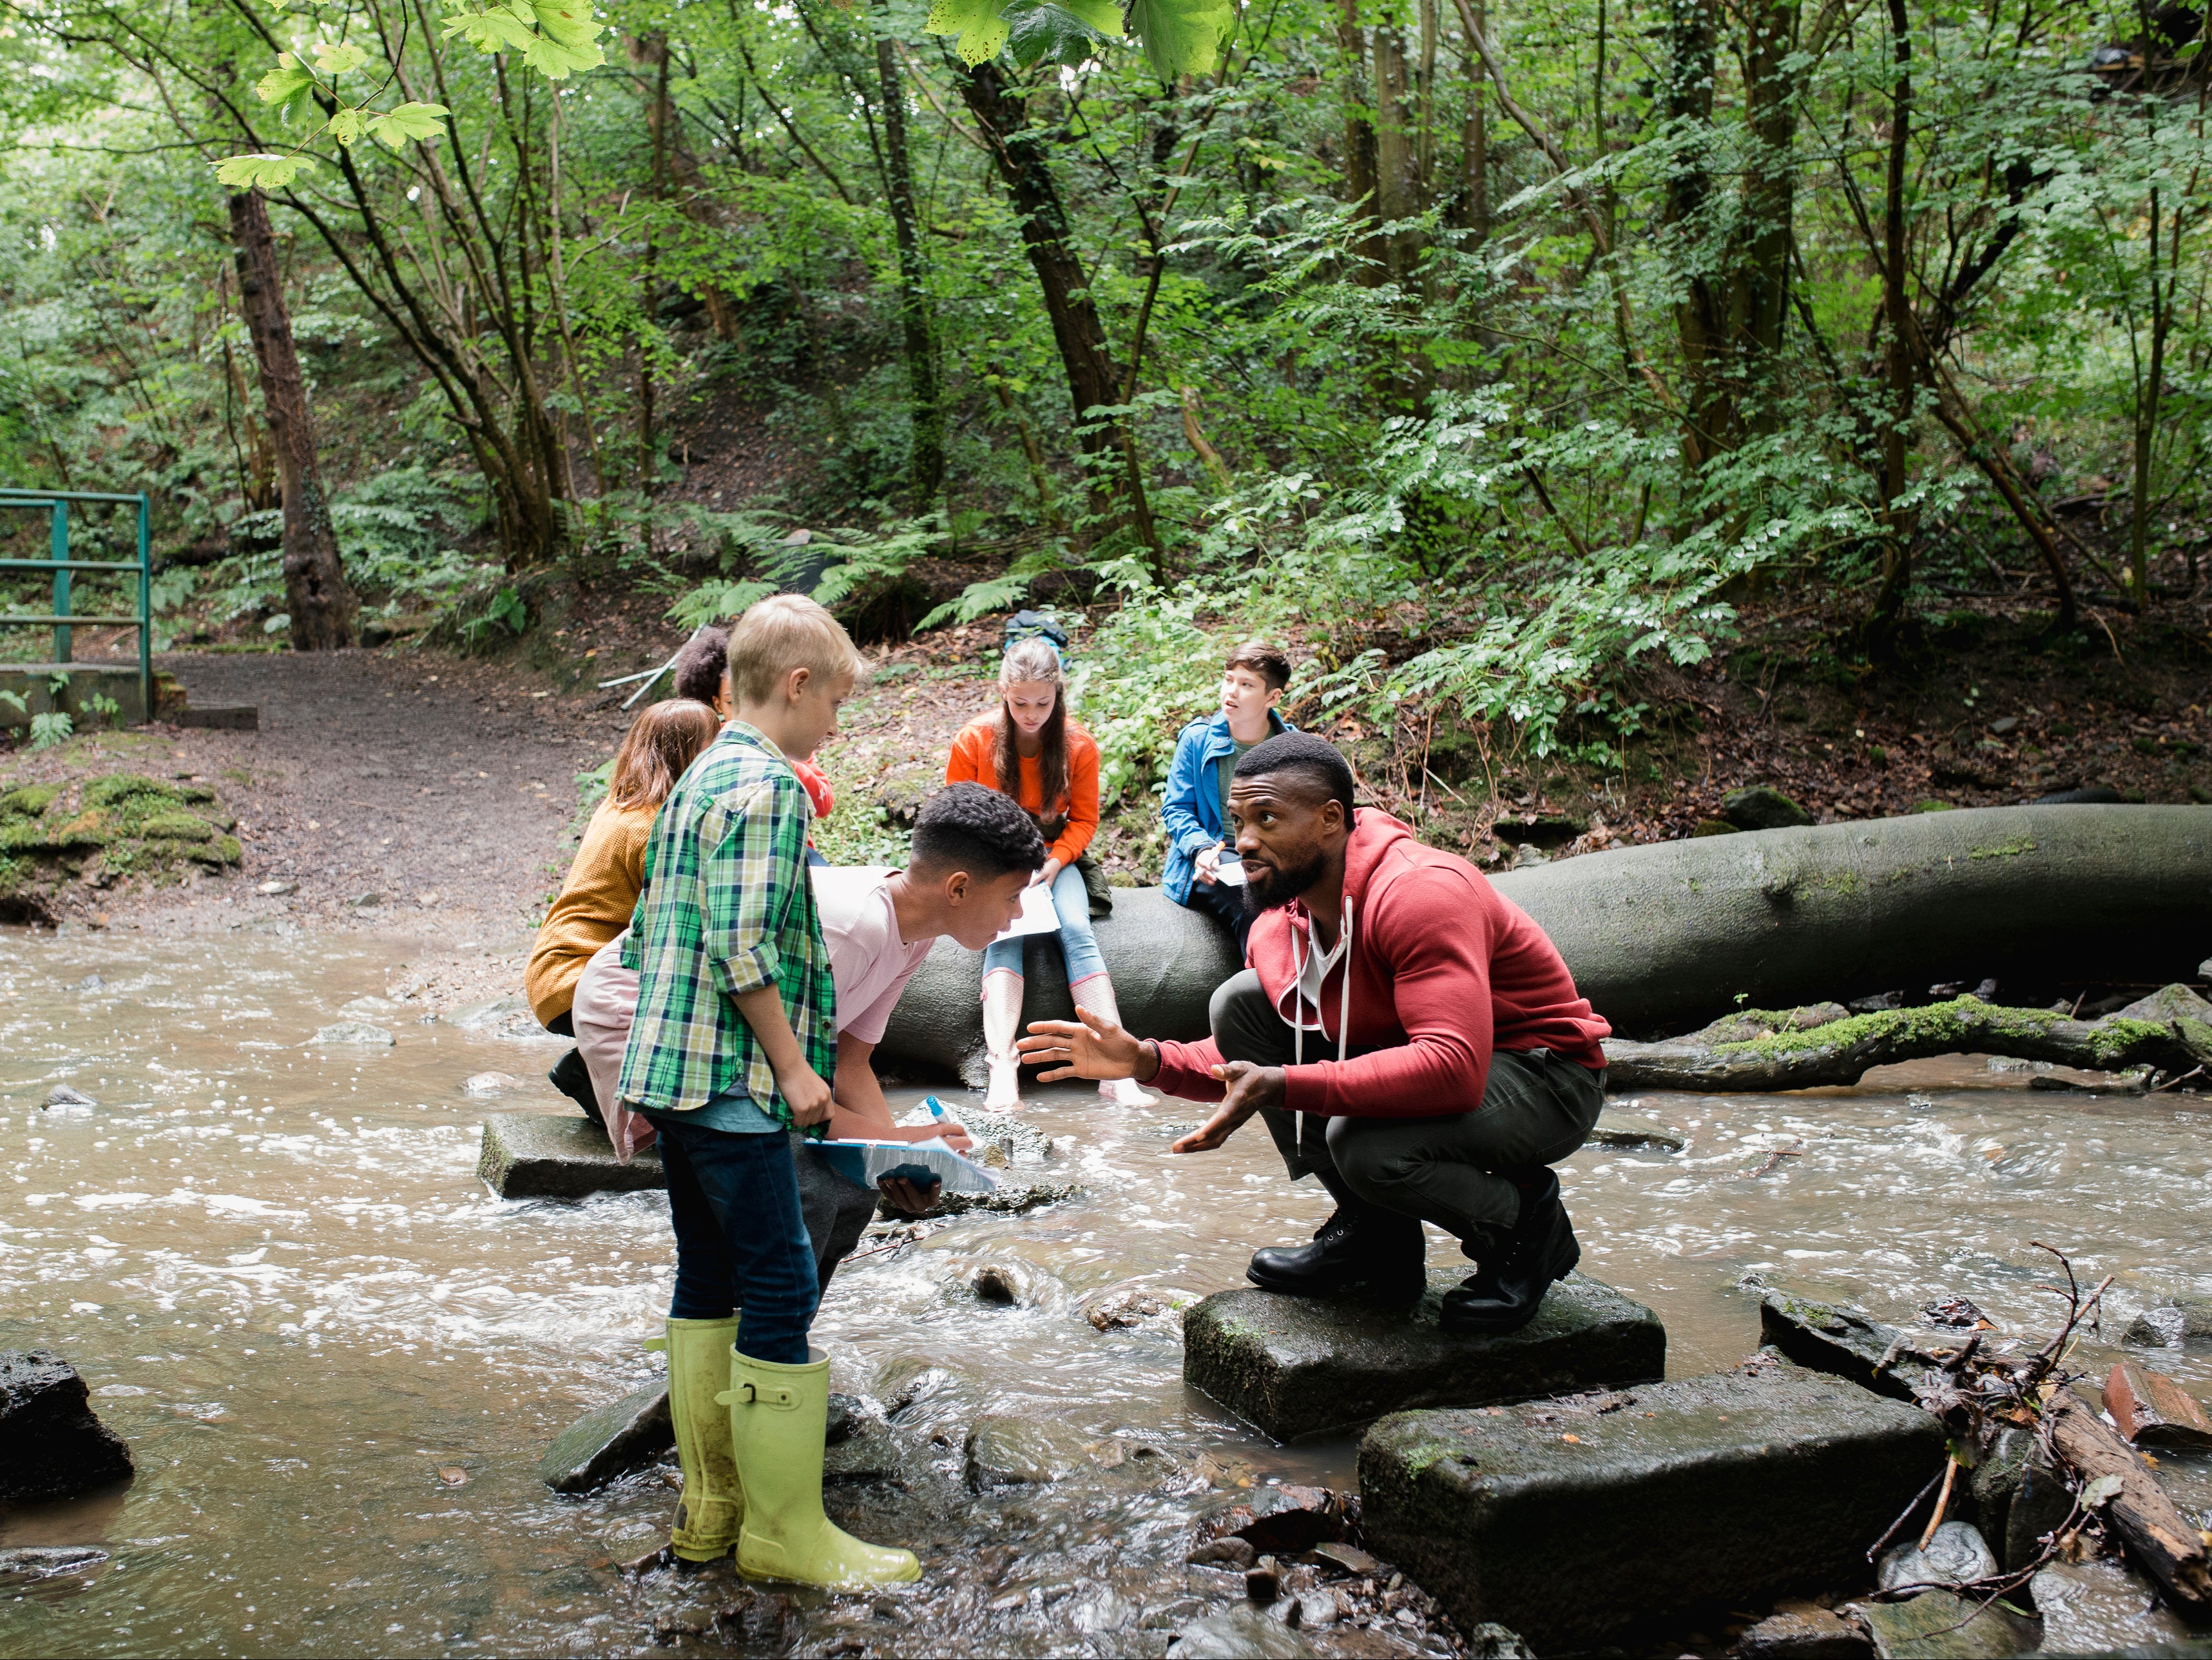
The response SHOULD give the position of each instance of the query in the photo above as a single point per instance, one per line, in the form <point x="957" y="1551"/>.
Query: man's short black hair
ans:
<point x="1302" y="752"/>
<point x="701" y="663"/>
<point x="966" y="827"/>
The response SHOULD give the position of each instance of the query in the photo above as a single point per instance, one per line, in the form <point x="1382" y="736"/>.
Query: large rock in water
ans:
<point x="1582" y="1523"/>
<point x="53" y="1446"/>
<point x="1665" y="938"/>
<point x="1300" y="1365"/>
<point x="540" y="1155"/>
<point x="608" y="1440"/>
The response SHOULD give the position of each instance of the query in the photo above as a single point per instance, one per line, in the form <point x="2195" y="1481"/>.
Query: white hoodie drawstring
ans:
<point x="1298" y="1007"/>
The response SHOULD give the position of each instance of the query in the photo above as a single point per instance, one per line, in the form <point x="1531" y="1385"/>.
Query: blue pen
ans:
<point x="936" y="1107"/>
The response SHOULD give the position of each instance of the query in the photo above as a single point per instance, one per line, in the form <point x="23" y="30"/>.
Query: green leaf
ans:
<point x="422" y="121"/>
<point x="1063" y="31"/>
<point x="284" y="82"/>
<point x="573" y="26"/>
<point x="261" y="172"/>
<point x="1182" y="37"/>
<point x="347" y="124"/>
<point x="339" y="57"/>
<point x="498" y="30"/>
<point x="981" y="25"/>
<point x="556" y="62"/>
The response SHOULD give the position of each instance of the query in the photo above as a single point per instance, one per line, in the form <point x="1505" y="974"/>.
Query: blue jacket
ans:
<point x="1192" y="809"/>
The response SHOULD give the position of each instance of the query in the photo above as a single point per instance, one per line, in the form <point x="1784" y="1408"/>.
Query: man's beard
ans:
<point x="1264" y="892"/>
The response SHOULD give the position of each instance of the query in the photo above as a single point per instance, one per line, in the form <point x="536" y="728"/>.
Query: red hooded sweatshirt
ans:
<point x="1444" y="970"/>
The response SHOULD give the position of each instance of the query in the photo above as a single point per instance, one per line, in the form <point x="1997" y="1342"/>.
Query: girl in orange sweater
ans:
<point x="1031" y="750"/>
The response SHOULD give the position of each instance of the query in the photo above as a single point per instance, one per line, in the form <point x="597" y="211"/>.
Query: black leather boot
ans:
<point x="1505" y="1292"/>
<point x="1362" y="1246"/>
<point x="574" y="1079"/>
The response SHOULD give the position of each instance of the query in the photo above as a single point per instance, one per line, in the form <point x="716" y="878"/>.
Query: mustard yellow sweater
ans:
<point x="595" y="905"/>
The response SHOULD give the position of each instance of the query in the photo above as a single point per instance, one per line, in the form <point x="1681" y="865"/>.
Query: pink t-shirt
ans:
<point x="869" y="962"/>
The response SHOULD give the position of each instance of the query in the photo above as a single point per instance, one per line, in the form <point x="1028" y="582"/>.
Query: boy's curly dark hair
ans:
<point x="967" y="826"/>
<point x="701" y="663"/>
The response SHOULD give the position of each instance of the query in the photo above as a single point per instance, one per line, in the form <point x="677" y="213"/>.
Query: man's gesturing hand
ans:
<point x="1251" y="1089"/>
<point x="1093" y="1047"/>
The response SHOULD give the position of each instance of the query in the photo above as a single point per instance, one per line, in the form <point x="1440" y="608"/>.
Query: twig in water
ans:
<point x="1898" y="1526"/>
<point x="1777" y="1156"/>
<point x="1943" y="1504"/>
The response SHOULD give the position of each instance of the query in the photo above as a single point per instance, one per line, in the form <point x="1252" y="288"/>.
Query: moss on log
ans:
<point x="1764" y="1049"/>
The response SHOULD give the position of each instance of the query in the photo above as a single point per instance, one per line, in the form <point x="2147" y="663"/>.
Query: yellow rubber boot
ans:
<point x="778" y="1417"/>
<point x="711" y="1510"/>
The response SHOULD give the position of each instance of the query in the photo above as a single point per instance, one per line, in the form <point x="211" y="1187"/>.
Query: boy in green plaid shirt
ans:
<point x="735" y="1037"/>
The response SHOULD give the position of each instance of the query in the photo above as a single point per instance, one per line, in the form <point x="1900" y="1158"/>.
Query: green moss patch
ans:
<point x="125" y="823"/>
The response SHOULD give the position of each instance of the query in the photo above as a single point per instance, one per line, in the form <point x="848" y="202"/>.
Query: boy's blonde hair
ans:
<point x="785" y="632"/>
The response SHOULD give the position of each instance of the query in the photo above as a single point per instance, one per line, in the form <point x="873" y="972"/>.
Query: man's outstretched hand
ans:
<point x="1251" y="1089"/>
<point x="1089" y="1046"/>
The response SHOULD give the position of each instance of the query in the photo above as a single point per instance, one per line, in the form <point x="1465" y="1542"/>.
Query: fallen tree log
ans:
<point x="2155" y="1533"/>
<point x="1673" y="935"/>
<point x="1805" y="1048"/>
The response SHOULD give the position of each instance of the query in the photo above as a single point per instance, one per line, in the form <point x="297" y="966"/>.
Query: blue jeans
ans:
<point x="1076" y="942"/>
<point x="741" y="1239"/>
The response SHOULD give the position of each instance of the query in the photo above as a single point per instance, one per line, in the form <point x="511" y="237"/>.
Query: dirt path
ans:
<point x="414" y="793"/>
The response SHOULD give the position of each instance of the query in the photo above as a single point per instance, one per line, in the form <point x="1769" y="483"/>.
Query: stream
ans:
<point x="336" y="1357"/>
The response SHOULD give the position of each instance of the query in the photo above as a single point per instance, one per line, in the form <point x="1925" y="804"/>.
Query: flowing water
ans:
<point x="336" y="1357"/>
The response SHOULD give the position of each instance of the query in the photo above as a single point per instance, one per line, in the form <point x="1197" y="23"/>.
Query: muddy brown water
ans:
<point x="338" y="1357"/>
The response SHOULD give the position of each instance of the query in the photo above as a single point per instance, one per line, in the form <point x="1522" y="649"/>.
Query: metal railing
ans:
<point x="60" y="619"/>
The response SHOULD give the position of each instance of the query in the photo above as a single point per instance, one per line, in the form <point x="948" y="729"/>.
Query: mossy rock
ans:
<point x="1933" y="807"/>
<point x="29" y="800"/>
<point x="88" y="830"/>
<point x="193" y="795"/>
<point x="178" y="826"/>
<point x="223" y="850"/>
<point x="117" y="788"/>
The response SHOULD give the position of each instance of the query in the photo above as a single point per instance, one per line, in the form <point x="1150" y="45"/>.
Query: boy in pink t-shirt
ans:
<point x="973" y="853"/>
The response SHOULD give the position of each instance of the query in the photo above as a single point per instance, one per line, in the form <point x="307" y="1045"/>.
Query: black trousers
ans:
<point x="1226" y="905"/>
<point x="1457" y="1169"/>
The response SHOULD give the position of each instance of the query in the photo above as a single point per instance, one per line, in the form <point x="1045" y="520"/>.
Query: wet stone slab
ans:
<point x="1701" y="1495"/>
<point x="537" y="1155"/>
<point x="1302" y="1365"/>
<point x="608" y="1440"/>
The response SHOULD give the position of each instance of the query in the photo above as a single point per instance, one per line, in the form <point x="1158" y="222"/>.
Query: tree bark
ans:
<point x="1002" y="117"/>
<point x="322" y="603"/>
<point x="1700" y="316"/>
<point x="2157" y="1535"/>
<point x="926" y="417"/>
<point x="1897" y="526"/>
<point x="1359" y="144"/>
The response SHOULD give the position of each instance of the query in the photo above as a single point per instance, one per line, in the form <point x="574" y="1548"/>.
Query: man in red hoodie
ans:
<point x="1410" y="1037"/>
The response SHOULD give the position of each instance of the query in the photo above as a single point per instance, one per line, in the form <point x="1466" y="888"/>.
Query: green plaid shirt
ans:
<point x="727" y="907"/>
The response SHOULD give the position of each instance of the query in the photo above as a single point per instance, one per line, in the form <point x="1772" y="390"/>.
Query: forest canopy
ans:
<point x="1496" y="347"/>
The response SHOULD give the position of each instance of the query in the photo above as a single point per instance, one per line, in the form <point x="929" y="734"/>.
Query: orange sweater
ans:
<point x="972" y="763"/>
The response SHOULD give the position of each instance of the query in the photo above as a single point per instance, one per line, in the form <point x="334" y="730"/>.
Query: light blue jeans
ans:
<point x="1080" y="945"/>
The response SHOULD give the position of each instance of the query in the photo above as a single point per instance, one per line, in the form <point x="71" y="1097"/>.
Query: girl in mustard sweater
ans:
<point x="1030" y="750"/>
<point x="595" y="901"/>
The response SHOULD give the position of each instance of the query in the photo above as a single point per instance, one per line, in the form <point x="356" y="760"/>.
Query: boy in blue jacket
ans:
<point x="1196" y="809"/>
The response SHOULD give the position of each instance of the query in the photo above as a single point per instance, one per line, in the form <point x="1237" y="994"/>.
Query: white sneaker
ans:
<point x="1127" y="1092"/>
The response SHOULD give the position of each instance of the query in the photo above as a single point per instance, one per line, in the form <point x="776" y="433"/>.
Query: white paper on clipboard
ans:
<point x="1038" y="916"/>
<point x="1230" y="873"/>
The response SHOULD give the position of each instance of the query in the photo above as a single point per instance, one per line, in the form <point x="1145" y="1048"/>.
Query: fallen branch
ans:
<point x="1802" y="1049"/>
<point x="2154" y="1531"/>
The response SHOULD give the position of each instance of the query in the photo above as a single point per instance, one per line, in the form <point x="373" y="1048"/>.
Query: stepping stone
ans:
<point x="1625" y="1130"/>
<point x="540" y="1155"/>
<point x="1578" y="1523"/>
<point x="1303" y="1365"/>
<point x="608" y="1440"/>
<point x="56" y="1447"/>
<point x="1843" y="1342"/>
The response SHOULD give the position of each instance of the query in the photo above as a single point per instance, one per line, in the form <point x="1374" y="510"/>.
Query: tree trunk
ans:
<point x="1770" y="183"/>
<point x="1359" y="146"/>
<point x="2147" y="407"/>
<point x="1018" y="149"/>
<point x="1897" y="526"/>
<point x="926" y="454"/>
<point x="321" y="601"/>
<point x="1397" y="165"/>
<point x="1700" y="317"/>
